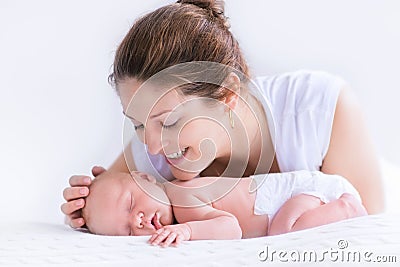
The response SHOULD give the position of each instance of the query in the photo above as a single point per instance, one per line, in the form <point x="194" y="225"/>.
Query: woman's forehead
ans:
<point x="142" y="102"/>
<point x="147" y="102"/>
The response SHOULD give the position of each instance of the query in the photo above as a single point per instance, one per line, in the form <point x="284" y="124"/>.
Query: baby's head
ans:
<point x="124" y="204"/>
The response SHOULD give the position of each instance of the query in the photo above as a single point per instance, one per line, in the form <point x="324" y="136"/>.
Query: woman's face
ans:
<point x="184" y="129"/>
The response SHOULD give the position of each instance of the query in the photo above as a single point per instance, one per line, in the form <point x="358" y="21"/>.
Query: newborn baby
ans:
<point x="217" y="207"/>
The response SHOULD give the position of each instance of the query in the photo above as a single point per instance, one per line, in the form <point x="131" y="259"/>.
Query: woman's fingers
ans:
<point x="83" y="180"/>
<point x="72" y="208"/>
<point x="71" y="193"/>
<point x="75" y="195"/>
<point x="80" y="180"/>
<point x="97" y="170"/>
<point x="73" y="212"/>
<point x="75" y="223"/>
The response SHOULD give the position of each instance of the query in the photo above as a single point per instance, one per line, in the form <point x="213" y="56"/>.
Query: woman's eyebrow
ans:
<point x="151" y="117"/>
<point x="126" y="115"/>
<point x="162" y="112"/>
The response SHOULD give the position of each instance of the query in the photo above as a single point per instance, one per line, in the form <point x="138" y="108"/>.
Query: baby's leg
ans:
<point x="346" y="207"/>
<point x="290" y="212"/>
<point x="302" y="212"/>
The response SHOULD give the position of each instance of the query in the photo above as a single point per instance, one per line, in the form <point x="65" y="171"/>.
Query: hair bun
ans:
<point x="215" y="7"/>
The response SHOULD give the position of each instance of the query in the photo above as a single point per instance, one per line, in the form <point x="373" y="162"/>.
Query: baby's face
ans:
<point x="117" y="205"/>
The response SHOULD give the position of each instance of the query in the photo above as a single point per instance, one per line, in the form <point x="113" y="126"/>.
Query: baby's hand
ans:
<point x="170" y="234"/>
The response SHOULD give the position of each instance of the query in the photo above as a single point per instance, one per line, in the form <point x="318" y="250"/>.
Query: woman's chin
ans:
<point x="183" y="175"/>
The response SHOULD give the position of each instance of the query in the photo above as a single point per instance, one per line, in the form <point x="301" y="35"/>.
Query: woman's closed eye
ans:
<point x="138" y="127"/>
<point x="165" y="126"/>
<point x="169" y="125"/>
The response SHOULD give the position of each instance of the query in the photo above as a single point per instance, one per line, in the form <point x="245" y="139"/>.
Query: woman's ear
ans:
<point x="144" y="176"/>
<point x="232" y="86"/>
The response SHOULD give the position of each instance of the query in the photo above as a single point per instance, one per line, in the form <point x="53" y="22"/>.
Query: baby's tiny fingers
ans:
<point x="159" y="231"/>
<point x="178" y="240"/>
<point x="161" y="237"/>
<point x="154" y="236"/>
<point x="171" y="238"/>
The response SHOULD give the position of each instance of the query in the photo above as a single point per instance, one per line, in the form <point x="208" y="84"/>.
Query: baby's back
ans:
<point x="233" y="195"/>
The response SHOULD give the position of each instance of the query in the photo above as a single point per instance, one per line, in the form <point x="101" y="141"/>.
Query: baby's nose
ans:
<point x="139" y="220"/>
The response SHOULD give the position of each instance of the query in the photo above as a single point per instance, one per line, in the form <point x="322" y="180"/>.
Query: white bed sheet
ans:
<point x="40" y="244"/>
<point x="43" y="244"/>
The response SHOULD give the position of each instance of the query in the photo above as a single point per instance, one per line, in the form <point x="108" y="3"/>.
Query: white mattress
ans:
<point x="41" y="244"/>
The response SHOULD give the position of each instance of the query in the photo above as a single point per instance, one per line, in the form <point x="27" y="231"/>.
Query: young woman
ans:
<point x="303" y="120"/>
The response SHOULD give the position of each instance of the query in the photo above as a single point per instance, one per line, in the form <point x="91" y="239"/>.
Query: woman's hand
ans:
<point x="171" y="234"/>
<point x="75" y="195"/>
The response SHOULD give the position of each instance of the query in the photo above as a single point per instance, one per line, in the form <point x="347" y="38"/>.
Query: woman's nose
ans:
<point x="155" y="142"/>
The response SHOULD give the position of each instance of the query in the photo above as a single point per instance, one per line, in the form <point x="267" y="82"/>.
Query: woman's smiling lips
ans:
<point x="175" y="161"/>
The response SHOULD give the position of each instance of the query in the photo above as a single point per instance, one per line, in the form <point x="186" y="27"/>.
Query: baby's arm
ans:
<point x="201" y="221"/>
<point x="215" y="224"/>
<point x="305" y="211"/>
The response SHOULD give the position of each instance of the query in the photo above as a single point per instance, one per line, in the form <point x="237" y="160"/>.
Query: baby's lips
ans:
<point x="156" y="222"/>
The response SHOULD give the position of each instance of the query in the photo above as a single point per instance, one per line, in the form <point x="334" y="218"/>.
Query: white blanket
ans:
<point x="364" y="239"/>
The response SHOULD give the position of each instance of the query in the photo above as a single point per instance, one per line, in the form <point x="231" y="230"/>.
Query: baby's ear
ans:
<point x="144" y="176"/>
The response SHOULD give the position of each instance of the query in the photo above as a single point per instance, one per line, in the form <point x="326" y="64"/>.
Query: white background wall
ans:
<point x="59" y="116"/>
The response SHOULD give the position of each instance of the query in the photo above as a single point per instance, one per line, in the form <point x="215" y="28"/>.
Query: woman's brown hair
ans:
<point x="186" y="31"/>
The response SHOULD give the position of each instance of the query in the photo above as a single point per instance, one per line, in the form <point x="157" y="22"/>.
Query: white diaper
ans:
<point x="274" y="189"/>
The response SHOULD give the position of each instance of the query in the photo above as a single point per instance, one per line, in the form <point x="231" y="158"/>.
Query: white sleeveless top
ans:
<point x="300" y="106"/>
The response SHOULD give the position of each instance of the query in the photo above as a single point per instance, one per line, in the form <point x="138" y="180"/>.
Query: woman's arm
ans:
<point x="120" y="164"/>
<point x="351" y="153"/>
